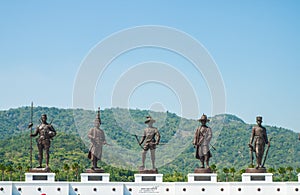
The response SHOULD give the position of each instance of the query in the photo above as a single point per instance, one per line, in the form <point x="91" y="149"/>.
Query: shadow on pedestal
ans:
<point x="202" y="170"/>
<point x="256" y="170"/>
<point x="148" y="171"/>
<point x="96" y="170"/>
<point x="39" y="170"/>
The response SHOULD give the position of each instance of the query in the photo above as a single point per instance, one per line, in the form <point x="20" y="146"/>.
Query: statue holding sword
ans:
<point x="150" y="139"/>
<point x="201" y="141"/>
<point x="259" y="139"/>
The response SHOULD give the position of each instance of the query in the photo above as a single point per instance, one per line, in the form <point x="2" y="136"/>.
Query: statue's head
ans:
<point x="44" y="117"/>
<point x="97" y="123"/>
<point x="149" y="120"/>
<point x="259" y="120"/>
<point x="203" y="119"/>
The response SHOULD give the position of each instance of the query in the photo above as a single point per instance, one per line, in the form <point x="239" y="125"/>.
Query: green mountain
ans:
<point x="175" y="155"/>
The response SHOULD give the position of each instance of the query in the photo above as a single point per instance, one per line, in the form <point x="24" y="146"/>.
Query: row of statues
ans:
<point x="149" y="141"/>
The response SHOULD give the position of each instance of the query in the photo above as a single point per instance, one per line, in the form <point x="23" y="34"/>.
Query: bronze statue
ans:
<point x="260" y="138"/>
<point x="201" y="141"/>
<point x="150" y="139"/>
<point x="97" y="138"/>
<point x="46" y="132"/>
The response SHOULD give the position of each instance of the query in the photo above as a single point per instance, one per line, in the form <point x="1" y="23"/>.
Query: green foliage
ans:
<point x="68" y="152"/>
<point x="175" y="177"/>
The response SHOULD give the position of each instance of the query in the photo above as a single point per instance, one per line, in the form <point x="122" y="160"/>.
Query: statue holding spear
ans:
<point x="46" y="133"/>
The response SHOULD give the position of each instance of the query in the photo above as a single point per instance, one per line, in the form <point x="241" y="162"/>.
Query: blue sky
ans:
<point x="255" y="45"/>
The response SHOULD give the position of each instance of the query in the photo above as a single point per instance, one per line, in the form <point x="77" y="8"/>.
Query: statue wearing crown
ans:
<point x="97" y="138"/>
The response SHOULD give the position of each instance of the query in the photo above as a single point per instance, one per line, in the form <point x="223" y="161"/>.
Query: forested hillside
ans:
<point x="175" y="155"/>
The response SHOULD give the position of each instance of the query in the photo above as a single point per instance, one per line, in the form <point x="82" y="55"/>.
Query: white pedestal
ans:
<point x="94" y="177"/>
<point x="298" y="177"/>
<point x="257" y="177"/>
<point x="148" y="178"/>
<point x="202" y="177"/>
<point x="39" y="177"/>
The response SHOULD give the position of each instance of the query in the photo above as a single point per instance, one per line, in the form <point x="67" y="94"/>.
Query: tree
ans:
<point x="2" y="168"/>
<point x="226" y="171"/>
<point x="281" y="171"/>
<point x="66" y="169"/>
<point x="10" y="169"/>
<point x="27" y="168"/>
<point x="271" y="170"/>
<point x="242" y="171"/>
<point x="290" y="169"/>
<point x="56" y="171"/>
<point x="232" y="171"/>
<point x="213" y="167"/>
<point x="19" y="168"/>
<point x="75" y="168"/>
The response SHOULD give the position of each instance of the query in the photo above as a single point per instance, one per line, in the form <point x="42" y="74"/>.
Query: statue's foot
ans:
<point x="47" y="168"/>
<point x="257" y="167"/>
<point x="142" y="167"/>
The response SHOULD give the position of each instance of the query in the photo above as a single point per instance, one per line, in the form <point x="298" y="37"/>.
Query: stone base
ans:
<point x="257" y="177"/>
<point x="202" y="170"/>
<point x="148" y="171"/>
<point x="39" y="177"/>
<point x="150" y="178"/>
<point x="96" y="170"/>
<point x="202" y="177"/>
<point x="256" y="170"/>
<point x="94" y="177"/>
<point x="40" y="170"/>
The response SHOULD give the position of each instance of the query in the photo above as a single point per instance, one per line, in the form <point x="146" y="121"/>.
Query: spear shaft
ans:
<point x="31" y="118"/>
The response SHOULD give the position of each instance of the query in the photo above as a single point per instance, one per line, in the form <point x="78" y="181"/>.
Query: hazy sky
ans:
<point x="255" y="45"/>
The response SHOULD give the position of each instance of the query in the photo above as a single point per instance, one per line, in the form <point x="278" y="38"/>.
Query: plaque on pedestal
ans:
<point x="152" y="178"/>
<point x="202" y="177"/>
<point x="94" y="177"/>
<point x="39" y="177"/>
<point x="257" y="177"/>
